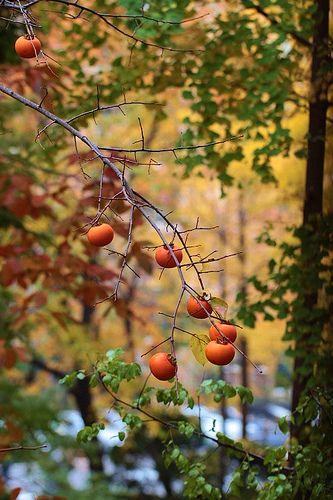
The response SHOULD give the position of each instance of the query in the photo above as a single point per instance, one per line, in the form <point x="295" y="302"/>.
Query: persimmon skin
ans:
<point x="27" y="47"/>
<point x="219" y="354"/>
<point x="228" y="331"/>
<point x="164" y="258"/>
<point x="100" y="235"/>
<point x="195" y="308"/>
<point x="162" y="366"/>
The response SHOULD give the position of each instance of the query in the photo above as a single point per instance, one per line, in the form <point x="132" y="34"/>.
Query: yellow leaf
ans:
<point x="220" y="306"/>
<point x="198" y="344"/>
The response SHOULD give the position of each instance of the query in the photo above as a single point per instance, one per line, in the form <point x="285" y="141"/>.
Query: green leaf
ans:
<point x="121" y="436"/>
<point x="223" y="439"/>
<point x="93" y="382"/>
<point x="70" y="379"/>
<point x="198" y="344"/>
<point x="89" y="432"/>
<point x="283" y="425"/>
<point x="245" y="394"/>
<point x="186" y="428"/>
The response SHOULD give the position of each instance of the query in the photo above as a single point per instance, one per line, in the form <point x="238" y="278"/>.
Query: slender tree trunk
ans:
<point x="223" y="404"/>
<point x="313" y="202"/>
<point x="84" y="402"/>
<point x="243" y="290"/>
<point x="83" y="398"/>
<point x="245" y="383"/>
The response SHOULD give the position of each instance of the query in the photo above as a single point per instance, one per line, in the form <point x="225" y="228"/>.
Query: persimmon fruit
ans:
<point x="162" y="366"/>
<point x="164" y="258"/>
<point x="100" y="235"/>
<point x="228" y="331"/>
<point x="27" y="46"/>
<point x="198" y="308"/>
<point x="219" y="354"/>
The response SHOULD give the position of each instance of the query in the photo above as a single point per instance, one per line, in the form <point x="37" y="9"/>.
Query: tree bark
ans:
<point x="313" y="200"/>
<point x="84" y="402"/>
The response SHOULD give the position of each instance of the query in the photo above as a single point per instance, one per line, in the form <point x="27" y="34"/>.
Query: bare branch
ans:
<point x="105" y="19"/>
<point x="174" y="149"/>
<point x="258" y="458"/>
<point x="102" y="108"/>
<point x="26" y="448"/>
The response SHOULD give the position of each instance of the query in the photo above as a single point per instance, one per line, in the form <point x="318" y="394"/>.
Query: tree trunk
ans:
<point x="313" y="201"/>
<point x="83" y="399"/>
<point x="223" y="404"/>
<point x="243" y="290"/>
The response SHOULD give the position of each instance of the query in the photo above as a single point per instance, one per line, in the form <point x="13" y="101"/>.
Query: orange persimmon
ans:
<point x="164" y="258"/>
<point x="162" y="366"/>
<point x="219" y="354"/>
<point x="228" y="331"/>
<point x="27" y="47"/>
<point x="198" y="308"/>
<point x="100" y="235"/>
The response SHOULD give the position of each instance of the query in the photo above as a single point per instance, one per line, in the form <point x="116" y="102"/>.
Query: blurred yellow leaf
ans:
<point x="198" y="344"/>
<point x="220" y="306"/>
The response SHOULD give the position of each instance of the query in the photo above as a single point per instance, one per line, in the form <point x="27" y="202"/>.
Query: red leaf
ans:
<point x="14" y="493"/>
<point x="9" y="358"/>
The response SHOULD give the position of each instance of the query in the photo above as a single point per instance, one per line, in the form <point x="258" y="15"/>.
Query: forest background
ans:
<point x="261" y="71"/>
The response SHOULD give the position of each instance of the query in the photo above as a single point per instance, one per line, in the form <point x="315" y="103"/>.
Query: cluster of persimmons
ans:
<point x="218" y="351"/>
<point x="163" y="366"/>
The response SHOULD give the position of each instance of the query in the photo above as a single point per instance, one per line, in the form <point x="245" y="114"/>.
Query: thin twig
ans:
<point x="25" y="448"/>
<point x="176" y="148"/>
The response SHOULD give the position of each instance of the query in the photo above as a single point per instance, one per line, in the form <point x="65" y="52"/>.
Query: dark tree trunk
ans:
<point x="313" y="201"/>
<point x="83" y="398"/>
<point x="245" y="383"/>
<point x="84" y="402"/>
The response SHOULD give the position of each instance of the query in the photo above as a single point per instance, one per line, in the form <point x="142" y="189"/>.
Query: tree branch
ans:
<point x="21" y="447"/>
<point x="257" y="458"/>
<point x="102" y="17"/>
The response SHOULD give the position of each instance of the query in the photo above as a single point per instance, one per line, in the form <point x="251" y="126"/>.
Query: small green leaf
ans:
<point x="93" y="382"/>
<point x="245" y="394"/>
<point x="121" y="436"/>
<point x="283" y="425"/>
<point x="69" y="379"/>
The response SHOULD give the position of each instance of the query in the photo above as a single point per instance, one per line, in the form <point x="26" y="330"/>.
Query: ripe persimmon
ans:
<point x="198" y="308"/>
<point x="100" y="235"/>
<point x="164" y="258"/>
<point x="163" y="366"/>
<point x="219" y="354"/>
<point x="228" y="331"/>
<point x="27" y="46"/>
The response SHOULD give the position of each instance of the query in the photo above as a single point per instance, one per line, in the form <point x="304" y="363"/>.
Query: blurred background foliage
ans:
<point x="247" y="72"/>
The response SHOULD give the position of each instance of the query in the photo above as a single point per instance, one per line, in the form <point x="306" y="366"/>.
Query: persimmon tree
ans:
<point x="159" y="55"/>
